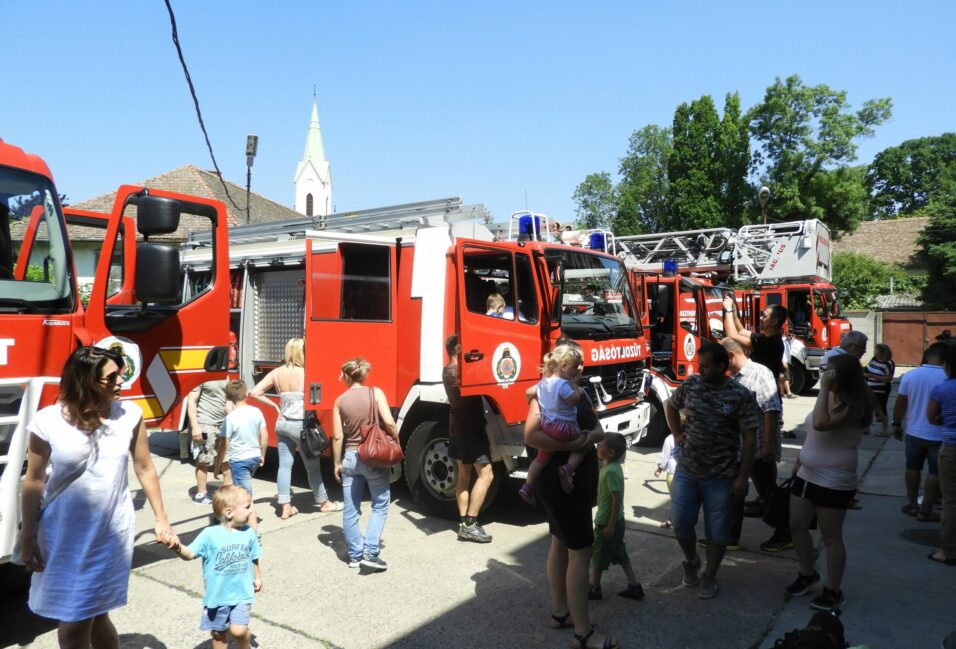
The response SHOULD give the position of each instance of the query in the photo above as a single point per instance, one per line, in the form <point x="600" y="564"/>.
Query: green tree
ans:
<point x="597" y="201"/>
<point x="734" y="167"/>
<point x="642" y="191"/>
<point x="901" y="179"/>
<point x="803" y="132"/>
<point x="939" y="244"/>
<point x="862" y="278"/>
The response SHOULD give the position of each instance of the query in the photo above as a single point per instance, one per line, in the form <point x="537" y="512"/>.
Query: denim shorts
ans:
<point x="919" y="450"/>
<point x="219" y="618"/>
<point x="688" y="494"/>
<point x="242" y="472"/>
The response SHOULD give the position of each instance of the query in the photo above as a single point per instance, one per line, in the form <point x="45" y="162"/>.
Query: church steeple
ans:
<point x="313" y="175"/>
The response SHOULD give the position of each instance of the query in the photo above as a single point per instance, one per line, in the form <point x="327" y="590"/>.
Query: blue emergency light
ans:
<point x="596" y="241"/>
<point x="529" y="227"/>
<point x="670" y="266"/>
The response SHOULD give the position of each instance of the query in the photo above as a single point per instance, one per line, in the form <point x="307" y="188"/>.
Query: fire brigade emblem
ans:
<point x="132" y="358"/>
<point x="690" y="347"/>
<point x="506" y="364"/>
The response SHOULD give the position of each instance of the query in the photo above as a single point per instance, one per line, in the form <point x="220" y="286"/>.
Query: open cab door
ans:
<point x="137" y="305"/>
<point x="502" y="344"/>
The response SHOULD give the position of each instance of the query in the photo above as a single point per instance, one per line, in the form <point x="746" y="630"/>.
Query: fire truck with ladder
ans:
<point x="683" y="277"/>
<point x="135" y="306"/>
<point x="390" y="284"/>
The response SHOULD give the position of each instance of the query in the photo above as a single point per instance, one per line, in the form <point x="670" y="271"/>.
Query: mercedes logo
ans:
<point x="621" y="382"/>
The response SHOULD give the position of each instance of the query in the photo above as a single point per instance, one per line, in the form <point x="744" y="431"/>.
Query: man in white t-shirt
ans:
<point x="852" y="343"/>
<point x="922" y="438"/>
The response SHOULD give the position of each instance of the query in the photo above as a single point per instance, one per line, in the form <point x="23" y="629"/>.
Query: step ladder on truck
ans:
<point x="134" y="305"/>
<point x="683" y="276"/>
<point x="391" y="284"/>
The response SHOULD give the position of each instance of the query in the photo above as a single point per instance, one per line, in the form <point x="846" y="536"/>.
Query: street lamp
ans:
<point x="764" y="195"/>
<point x="252" y="143"/>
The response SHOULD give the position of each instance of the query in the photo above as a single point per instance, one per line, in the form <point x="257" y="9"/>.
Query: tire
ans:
<point x="798" y="377"/>
<point x="656" y="427"/>
<point x="431" y="473"/>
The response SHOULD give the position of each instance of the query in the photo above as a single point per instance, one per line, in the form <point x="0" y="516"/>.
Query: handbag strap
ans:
<point x="372" y="407"/>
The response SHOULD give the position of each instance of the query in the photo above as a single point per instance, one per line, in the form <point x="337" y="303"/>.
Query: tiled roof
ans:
<point x="901" y="301"/>
<point x="190" y="180"/>
<point x="891" y="240"/>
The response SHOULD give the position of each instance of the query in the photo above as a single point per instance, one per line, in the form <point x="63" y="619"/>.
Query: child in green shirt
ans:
<point x="609" y="522"/>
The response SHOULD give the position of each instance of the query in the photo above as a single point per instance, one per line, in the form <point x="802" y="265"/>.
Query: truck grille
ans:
<point x="610" y="375"/>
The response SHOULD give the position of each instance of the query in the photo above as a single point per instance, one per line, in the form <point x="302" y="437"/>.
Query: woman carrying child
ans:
<point x="558" y="395"/>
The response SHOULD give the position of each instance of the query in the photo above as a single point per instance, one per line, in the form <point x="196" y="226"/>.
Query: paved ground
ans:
<point x="438" y="592"/>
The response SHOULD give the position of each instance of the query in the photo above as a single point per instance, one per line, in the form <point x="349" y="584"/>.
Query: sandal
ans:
<point x="947" y="561"/>
<point x="635" y="591"/>
<point x="560" y="621"/>
<point x="928" y="517"/>
<point x="667" y="525"/>
<point x="594" y="592"/>
<point x="292" y="512"/>
<point x="910" y="510"/>
<point x="335" y="507"/>
<point x="566" y="477"/>
<point x="581" y="642"/>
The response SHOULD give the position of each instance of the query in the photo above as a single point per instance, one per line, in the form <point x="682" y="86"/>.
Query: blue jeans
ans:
<point x="688" y="494"/>
<point x="355" y="475"/>
<point x="287" y="439"/>
<point x="242" y="472"/>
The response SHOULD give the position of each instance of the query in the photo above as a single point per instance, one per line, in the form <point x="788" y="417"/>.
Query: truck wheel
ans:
<point x="798" y="378"/>
<point x="656" y="427"/>
<point x="431" y="473"/>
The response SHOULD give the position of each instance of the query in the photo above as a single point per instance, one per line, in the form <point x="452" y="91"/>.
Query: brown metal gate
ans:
<point x="909" y="333"/>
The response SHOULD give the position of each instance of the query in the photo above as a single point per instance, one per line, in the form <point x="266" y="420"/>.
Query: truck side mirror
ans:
<point x="157" y="215"/>
<point x="157" y="273"/>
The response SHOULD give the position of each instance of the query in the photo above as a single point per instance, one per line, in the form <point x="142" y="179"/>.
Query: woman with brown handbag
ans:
<point x="349" y="414"/>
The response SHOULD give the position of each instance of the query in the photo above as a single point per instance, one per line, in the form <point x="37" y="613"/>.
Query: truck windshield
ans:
<point x="597" y="302"/>
<point x="34" y="257"/>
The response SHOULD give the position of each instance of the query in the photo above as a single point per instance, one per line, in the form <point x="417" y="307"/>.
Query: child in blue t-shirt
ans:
<point x="245" y="439"/>
<point x="230" y="568"/>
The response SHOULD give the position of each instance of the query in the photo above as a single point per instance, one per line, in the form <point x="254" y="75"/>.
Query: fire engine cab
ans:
<point x="135" y="306"/>
<point x="391" y="284"/>
<point x="683" y="277"/>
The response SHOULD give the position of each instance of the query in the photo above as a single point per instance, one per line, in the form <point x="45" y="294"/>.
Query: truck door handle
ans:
<point x="473" y="355"/>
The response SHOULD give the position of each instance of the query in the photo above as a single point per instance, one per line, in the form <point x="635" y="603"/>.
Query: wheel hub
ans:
<point x="439" y="469"/>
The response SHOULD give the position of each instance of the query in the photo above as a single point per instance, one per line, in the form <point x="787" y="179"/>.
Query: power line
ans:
<point x="192" y="91"/>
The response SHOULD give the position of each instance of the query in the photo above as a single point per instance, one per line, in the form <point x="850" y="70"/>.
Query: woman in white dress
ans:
<point x="80" y="547"/>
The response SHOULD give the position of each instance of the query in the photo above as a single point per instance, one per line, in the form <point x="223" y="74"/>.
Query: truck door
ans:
<point x="502" y="348"/>
<point x="350" y="298"/>
<point x="170" y="344"/>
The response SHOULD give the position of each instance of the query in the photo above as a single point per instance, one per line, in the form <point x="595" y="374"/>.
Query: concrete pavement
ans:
<point x="439" y="592"/>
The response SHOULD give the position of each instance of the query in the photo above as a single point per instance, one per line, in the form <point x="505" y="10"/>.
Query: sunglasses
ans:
<point x="110" y="379"/>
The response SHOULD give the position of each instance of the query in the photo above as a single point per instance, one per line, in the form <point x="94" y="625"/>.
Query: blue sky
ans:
<point x="489" y="101"/>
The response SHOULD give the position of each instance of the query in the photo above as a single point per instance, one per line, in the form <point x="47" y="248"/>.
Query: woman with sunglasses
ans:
<point x="80" y="545"/>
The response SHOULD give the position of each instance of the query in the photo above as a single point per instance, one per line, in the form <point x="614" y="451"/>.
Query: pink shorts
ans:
<point x="558" y="430"/>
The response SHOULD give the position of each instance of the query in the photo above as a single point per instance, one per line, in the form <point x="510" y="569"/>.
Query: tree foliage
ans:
<point x="642" y="192"/>
<point x="804" y="135"/>
<point x="901" y="179"/>
<point x="862" y="278"/>
<point x="597" y="201"/>
<point x="939" y="244"/>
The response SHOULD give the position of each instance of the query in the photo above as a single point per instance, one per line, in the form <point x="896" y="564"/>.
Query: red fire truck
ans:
<point x="135" y="306"/>
<point x="683" y="277"/>
<point x="391" y="284"/>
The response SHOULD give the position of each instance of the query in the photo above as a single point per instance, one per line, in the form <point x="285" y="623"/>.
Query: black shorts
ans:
<point x="470" y="448"/>
<point x="569" y="515"/>
<point x="785" y="374"/>
<point x="821" y="496"/>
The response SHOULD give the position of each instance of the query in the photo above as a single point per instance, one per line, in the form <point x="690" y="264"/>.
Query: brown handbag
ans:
<point x="378" y="449"/>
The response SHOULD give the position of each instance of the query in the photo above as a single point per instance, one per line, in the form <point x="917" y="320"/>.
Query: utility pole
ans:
<point x="252" y="144"/>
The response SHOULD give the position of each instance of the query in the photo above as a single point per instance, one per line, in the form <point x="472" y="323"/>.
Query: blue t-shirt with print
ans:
<point x="945" y="395"/>
<point x="227" y="556"/>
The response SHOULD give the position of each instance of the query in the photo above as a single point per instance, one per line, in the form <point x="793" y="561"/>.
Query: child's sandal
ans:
<point x="560" y="621"/>
<point x="566" y="477"/>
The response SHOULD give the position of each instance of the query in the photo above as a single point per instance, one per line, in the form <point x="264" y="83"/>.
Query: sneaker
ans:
<point x="594" y="593"/>
<point x="632" y="592"/>
<point x="474" y="533"/>
<point x="801" y="585"/>
<point x="202" y="499"/>
<point x="708" y="587"/>
<point x="691" y="578"/>
<point x="527" y="494"/>
<point x="355" y="563"/>
<point x="828" y="600"/>
<point x="776" y="544"/>
<point x="373" y="562"/>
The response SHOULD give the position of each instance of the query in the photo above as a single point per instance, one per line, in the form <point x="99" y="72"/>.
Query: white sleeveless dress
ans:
<point x="86" y="534"/>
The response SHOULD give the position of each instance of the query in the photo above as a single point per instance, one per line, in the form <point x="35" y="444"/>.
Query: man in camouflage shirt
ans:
<point x="719" y="427"/>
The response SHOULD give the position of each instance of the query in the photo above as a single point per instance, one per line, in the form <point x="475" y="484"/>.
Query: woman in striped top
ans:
<point x="879" y="376"/>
